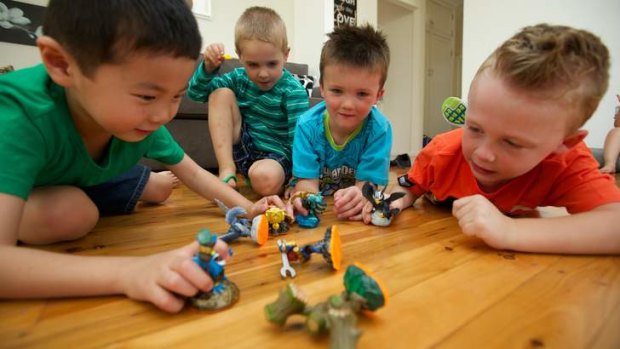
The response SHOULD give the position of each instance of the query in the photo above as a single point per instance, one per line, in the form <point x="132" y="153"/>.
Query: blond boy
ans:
<point x="522" y="148"/>
<point x="252" y="110"/>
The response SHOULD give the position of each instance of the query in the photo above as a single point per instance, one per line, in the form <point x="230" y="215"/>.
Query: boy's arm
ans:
<point x="202" y="84"/>
<point x="210" y="187"/>
<point x="349" y="202"/>
<point x="31" y="273"/>
<point x="593" y="232"/>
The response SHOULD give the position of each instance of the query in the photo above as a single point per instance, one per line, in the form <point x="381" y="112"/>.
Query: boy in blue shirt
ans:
<point x="252" y="110"/>
<point x="345" y="140"/>
<point x="71" y="133"/>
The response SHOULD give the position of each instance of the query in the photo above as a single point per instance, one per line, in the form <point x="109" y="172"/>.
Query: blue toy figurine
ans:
<point x="240" y="226"/>
<point x="313" y="202"/>
<point x="224" y="293"/>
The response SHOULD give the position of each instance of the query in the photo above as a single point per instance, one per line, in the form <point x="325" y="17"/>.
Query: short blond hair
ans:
<point x="263" y="24"/>
<point x="554" y="61"/>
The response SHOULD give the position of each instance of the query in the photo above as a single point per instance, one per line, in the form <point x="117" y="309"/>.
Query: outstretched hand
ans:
<point x="165" y="278"/>
<point x="263" y="204"/>
<point x="478" y="217"/>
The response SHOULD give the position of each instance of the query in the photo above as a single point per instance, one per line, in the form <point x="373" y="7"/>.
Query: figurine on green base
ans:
<point x="338" y="314"/>
<point x="224" y="293"/>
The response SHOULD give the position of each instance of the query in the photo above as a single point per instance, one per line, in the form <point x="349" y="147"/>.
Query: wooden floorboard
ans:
<point x="446" y="290"/>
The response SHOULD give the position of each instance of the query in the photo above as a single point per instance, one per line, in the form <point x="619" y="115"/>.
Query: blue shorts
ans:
<point x="245" y="154"/>
<point x="120" y="194"/>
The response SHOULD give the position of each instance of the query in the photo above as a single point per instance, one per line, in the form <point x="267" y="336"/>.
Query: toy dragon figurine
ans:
<point x="338" y="314"/>
<point x="314" y="203"/>
<point x="381" y="213"/>
<point x="224" y="293"/>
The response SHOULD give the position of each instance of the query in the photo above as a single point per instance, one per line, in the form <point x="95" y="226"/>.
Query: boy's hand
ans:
<point x="348" y="203"/>
<point x="263" y="204"/>
<point x="213" y="56"/>
<point x="400" y="204"/>
<point x="478" y="217"/>
<point x="296" y="205"/>
<point x="164" y="278"/>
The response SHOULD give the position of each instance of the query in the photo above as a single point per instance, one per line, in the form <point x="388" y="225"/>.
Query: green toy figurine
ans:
<point x="338" y="314"/>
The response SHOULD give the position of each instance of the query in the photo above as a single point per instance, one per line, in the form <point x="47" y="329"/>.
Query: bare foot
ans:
<point x="611" y="169"/>
<point x="159" y="186"/>
<point x="228" y="177"/>
<point x="167" y="176"/>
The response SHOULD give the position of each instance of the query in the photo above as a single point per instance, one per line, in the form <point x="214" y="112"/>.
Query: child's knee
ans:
<point x="48" y="221"/>
<point x="267" y="178"/>
<point x="158" y="188"/>
<point x="222" y="95"/>
<point x="65" y="227"/>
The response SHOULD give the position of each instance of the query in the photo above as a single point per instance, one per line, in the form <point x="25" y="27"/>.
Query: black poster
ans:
<point x="345" y="12"/>
<point x="20" y="23"/>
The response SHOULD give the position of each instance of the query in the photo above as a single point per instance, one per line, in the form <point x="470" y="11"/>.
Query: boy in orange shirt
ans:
<point x="521" y="148"/>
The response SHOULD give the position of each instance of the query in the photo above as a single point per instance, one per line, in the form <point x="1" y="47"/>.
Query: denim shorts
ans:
<point x="120" y="194"/>
<point x="245" y="154"/>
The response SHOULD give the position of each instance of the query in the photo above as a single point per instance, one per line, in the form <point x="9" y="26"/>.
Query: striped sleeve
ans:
<point x="202" y="84"/>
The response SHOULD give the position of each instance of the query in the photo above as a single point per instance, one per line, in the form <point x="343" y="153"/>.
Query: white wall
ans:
<point x="488" y="23"/>
<point x="304" y="23"/>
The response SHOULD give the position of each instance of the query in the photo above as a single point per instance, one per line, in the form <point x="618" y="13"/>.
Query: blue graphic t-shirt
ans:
<point x="365" y="156"/>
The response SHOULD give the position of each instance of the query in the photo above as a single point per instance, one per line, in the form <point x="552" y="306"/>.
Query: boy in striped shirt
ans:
<point x="253" y="110"/>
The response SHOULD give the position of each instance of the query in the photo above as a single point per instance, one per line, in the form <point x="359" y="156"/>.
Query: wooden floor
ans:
<point x="446" y="290"/>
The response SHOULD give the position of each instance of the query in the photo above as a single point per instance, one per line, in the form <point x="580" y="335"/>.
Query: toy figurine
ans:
<point x="330" y="248"/>
<point x="313" y="202"/>
<point x="279" y="221"/>
<point x="381" y="213"/>
<point x="338" y="314"/>
<point x="453" y="110"/>
<point x="239" y="225"/>
<point x="224" y="293"/>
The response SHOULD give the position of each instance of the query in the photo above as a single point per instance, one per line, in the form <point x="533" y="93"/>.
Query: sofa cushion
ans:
<point x="307" y="81"/>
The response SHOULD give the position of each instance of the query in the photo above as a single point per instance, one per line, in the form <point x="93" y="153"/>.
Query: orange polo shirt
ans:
<point x="570" y="179"/>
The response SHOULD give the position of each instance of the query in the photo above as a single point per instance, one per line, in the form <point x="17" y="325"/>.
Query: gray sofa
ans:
<point x="190" y="127"/>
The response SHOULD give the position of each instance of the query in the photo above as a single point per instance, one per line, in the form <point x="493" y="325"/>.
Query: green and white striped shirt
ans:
<point x="270" y="116"/>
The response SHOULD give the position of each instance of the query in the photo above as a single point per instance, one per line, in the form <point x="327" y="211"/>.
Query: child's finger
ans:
<point x="350" y="210"/>
<point x="299" y="207"/>
<point x="221" y="248"/>
<point x="197" y="278"/>
<point x="275" y="200"/>
<point x="165" y="300"/>
<point x="174" y="281"/>
<point x="290" y="210"/>
<point x="357" y="217"/>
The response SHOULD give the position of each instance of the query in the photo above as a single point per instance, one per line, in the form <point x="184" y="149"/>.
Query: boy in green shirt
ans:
<point x="71" y="133"/>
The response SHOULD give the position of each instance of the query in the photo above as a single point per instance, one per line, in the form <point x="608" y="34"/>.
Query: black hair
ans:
<point x="96" y="32"/>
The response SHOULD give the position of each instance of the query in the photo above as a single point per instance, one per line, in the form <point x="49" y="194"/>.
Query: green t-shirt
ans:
<point x="40" y="146"/>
